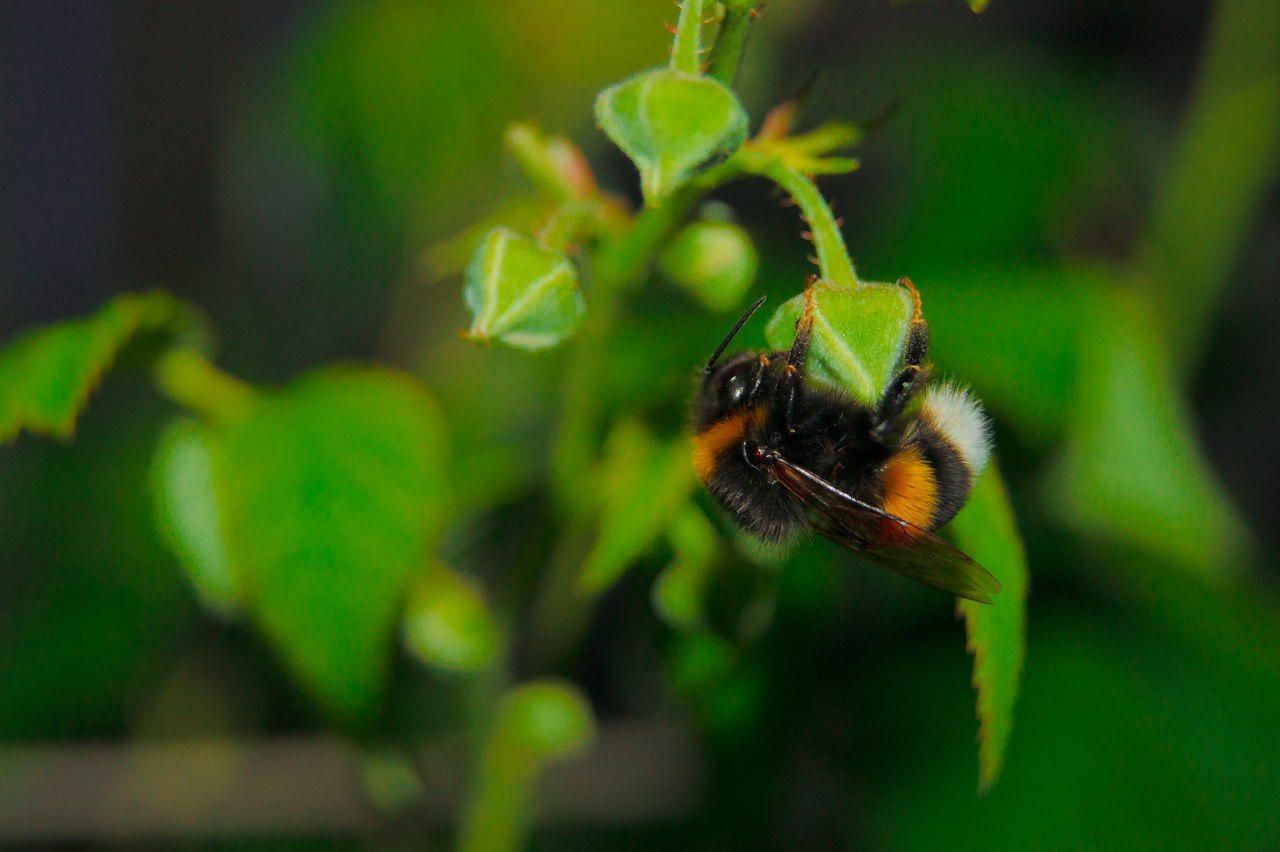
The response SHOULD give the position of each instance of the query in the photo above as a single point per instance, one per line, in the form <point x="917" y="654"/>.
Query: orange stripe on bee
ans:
<point x="910" y="488"/>
<point x="712" y="441"/>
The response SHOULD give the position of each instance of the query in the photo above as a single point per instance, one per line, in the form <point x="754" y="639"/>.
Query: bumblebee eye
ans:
<point x="733" y="386"/>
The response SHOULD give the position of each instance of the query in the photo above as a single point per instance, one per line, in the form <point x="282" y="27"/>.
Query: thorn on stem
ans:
<point x="812" y="259"/>
<point x="671" y="28"/>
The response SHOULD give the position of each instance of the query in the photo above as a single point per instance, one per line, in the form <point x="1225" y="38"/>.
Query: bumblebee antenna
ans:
<point x="737" y="326"/>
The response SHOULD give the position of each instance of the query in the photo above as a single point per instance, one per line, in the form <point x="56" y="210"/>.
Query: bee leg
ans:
<point x="899" y="391"/>
<point x="793" y="377"/>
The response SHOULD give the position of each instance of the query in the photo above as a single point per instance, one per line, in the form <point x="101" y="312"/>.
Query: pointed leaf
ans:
<point x="671" y="124"/>
<point x="522" y="294"/>
<point x="47" y="374"/>
<point x="187" y="513"/>
<point x="987" y="531"/>
<point x="331" y="495"/>
<point x="1131" y="470"/>
<point x="858" y="335"/>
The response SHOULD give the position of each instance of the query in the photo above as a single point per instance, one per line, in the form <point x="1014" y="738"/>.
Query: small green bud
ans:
<point x="548" y="718"/>
<point x="671" y="124"/>
<point x="858" y="335"/>
<point x="522" y="294"/>
<point x="713" y="261"/>
<point x="446" y="624"/>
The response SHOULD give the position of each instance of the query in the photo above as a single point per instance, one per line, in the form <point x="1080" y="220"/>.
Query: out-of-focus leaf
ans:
<point x="978" y="5"/>
<point x="643" y="484"/>
<point x="858" y="334"/>
<point x="987" y="531"/>
<point x="1016" y="334"/>
<point x="447" y="624"/>
<point x="331" y="493"/>
<point x="713" y="261"/>
<point x="522" y="294"/>
<point x="47" y="374"/>
<point x="1226" y="160"/>
<point x="679" y="590"/>
<point x="670" y="124"/>
<point x="187" y="513"/>
<point x="553" y="163"/>
<point x="1131" y="470"/>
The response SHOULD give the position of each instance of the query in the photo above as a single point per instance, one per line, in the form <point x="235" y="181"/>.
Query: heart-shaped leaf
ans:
<point x="858" y="335"/>
<point x="330" y="494"/>
<point x="671" y="124"/>
<point x="47" y="374"/>
<point x="987" y="531"/>
<point x="522" y="294"/>
<point x="714" y="261"/>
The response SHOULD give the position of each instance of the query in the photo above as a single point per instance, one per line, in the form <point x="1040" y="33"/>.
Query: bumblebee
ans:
<point x="783" y="455"/>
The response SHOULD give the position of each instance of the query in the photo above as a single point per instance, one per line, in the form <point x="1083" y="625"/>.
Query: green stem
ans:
<point x="731" y="40"/>
<point x="1226" y="158"/>
<point x="497" y="809"/>
<point x="833" y="257"/>
<point x="184" y="376"/>
<point x="688" y="41"/>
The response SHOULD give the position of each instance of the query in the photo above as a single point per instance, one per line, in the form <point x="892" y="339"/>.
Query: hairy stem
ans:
<point x="731" y="40"/>
<point x="833" y="257"/>
<point x="688" y="41"/>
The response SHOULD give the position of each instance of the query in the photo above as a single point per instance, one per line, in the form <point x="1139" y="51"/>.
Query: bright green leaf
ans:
<point x="522" y="294"/>
<point x="858" y="335"/>
<point x="447" y="624"/>
<point x="643" y="485"/>
<point x="47" y="374"/>
<point x="331" y="494"/>
<point x="714" y="261"/>
<point x="671" y="124"/>
<point x="1131" y="470"/>
<point x="987" y="531"/>
<point x="187" y="513"/>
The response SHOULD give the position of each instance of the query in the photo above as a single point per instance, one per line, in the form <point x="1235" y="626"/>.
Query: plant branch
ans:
<point x="187" y="378"/>
<point x="833" y="256"/>
<point x="731" y="40"/>
<point x="687" y="47"/>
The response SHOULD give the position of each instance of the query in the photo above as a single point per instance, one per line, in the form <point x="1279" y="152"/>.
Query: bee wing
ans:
<point x="889" y="540"/>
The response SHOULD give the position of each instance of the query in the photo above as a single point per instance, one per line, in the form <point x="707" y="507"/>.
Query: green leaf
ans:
<point x="978" y="5"/>
<point x="643" y="485"/>
<point x="1044" y="316"/>
<point x="522" y="294"/>
<point x="187" y="513"/>
<point x="671" y="124"/>
<point x="714" y="261"/>
<point x="987" y="531"/>
<point x="1131" y="470"/>
<point x="47" y="374"/>
<point x="331" y="495"/>
<point x="447" y="624"/>
<point x="679" y="591"/>
<point x="858" y="335"/>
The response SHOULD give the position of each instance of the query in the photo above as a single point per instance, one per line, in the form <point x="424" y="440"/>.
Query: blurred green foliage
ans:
<point x="833" y="702"/>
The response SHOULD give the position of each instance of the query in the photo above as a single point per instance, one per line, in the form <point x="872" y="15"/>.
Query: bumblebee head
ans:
<point x="728" y="387"/>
